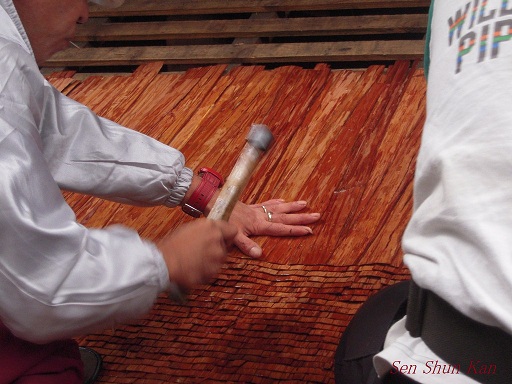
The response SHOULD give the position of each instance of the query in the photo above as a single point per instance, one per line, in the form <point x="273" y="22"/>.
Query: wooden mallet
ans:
<point x="259" y="140"/>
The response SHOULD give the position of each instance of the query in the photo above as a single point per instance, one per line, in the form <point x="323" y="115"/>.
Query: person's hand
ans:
<point x="196" y="251"/>
<point x="279" y="218"/>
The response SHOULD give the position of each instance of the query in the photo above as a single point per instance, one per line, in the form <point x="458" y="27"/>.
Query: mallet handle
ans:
<point x="235" y="183"/>
<point x="258" y="141"/>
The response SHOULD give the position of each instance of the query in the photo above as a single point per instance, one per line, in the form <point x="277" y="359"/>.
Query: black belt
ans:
<point x="479" y="351"/>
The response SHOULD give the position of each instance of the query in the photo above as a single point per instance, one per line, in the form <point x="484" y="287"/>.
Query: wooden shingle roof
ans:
<point x="346" y="141"/>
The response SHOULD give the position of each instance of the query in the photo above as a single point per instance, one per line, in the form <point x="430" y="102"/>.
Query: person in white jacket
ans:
<point x="58" y="278"/>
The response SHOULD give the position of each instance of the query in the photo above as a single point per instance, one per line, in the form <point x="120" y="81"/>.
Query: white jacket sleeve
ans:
<point x="96" y="156"/>
<point x="59" y="279"/>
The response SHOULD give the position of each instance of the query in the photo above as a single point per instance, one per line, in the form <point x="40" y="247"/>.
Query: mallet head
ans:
<point x="260" y="137"/>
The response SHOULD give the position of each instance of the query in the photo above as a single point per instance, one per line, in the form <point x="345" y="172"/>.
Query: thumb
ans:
<point x="247" y="246"/>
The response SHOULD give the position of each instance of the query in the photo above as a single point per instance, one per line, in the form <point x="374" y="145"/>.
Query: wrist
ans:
<point x="201" y="198"/>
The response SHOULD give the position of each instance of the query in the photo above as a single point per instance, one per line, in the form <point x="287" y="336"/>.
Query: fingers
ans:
<point x="247" y="246"/>
<point x="284" y="230"/>
<point x="299" y="219"/>
<point x="281" y="206"/>
<point x="280" y="218"/>
<point x="278" y="211"/>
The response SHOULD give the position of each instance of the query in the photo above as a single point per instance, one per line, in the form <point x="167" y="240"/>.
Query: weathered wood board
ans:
<point x="184" y="34"/>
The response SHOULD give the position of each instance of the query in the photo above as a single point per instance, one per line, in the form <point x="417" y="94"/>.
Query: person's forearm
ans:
<point x="91" y="155"/>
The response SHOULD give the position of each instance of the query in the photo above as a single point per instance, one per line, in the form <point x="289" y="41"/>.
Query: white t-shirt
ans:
<point x="458" y="243"/>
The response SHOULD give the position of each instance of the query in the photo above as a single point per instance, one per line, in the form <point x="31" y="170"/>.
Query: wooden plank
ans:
<point x="195" y="7"/>
<point x="242" y="53"/>
<point x="318" y="26"/>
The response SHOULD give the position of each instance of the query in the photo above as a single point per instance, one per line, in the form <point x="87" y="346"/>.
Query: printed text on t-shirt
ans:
<point x="479" y="31"/>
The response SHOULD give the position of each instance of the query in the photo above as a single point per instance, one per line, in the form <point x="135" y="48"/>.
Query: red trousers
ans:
<point x="22" y="362"/>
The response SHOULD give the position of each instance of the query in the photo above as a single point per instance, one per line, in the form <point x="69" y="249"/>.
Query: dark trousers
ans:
<point x="27" y="363"/>
<point x="365" y="335"/>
